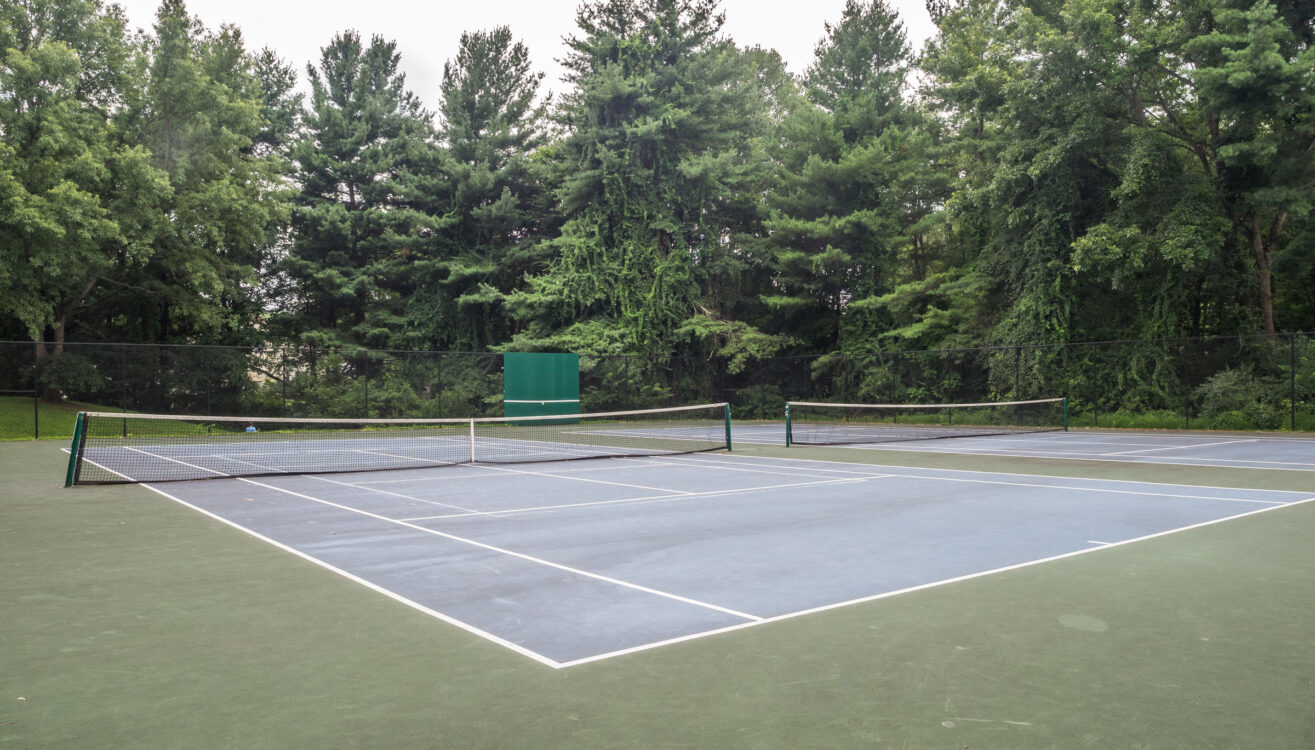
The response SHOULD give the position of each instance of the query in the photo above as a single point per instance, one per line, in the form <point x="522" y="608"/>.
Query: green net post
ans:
<point x="75" y="450"/>
<point x="787" y="425"/>
<point x="728" y="426"/>
<point x="1065" y="406"/>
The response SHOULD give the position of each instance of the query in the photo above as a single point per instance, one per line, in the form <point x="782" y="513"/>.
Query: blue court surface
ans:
<point x="573" y="562"/>
<point x="1293" y="453"/>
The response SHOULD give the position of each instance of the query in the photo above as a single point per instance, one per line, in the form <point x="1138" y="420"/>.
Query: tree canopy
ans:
<point x="1040" y="172"/>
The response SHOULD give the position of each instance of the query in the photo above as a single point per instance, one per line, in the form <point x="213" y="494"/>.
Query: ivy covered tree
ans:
<point x="1127" y="169"/>
<point x="357" y="222"/>
<point x="1219" y="107"/>
<point x="657" y="163"/>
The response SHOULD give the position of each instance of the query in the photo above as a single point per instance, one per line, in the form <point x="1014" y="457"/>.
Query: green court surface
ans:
<point x="131" y="621"/>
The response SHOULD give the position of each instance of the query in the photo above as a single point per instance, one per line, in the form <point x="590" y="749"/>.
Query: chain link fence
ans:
<point x="1220" y="383"/>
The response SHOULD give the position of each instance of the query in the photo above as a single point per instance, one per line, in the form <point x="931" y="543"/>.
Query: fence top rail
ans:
<point x="1055" y="345"/>
<point x="670" y="411"/>
<point x="254" y="348"/>
<point x="927" y="406"/>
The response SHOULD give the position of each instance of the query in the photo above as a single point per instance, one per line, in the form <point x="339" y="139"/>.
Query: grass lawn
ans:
<point x="55" y="420"/>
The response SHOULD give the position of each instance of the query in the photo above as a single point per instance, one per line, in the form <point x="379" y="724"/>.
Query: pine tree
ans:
<point x="493" y="200"/>
<point x="365" y="139"/>
<point x="839" y="216"/>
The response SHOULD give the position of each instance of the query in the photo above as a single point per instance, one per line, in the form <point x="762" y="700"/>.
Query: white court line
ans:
<point x="294" y="471"/>
<point x="349" y="576"/>
<point x="1090" y="435"/>
<point x="1077" y="437"/>
<point x="174" y="460"/>
<point x="904" y="470"/>
<point x="1227" y="463"/>
<point x="511" y="553"/>
<point x="368" y="489"/>
<point x="1180" y="447"/>
<point x="572" y="450"/>
<point x="910" y="589"/>
<point x="1179" y="434"/>
<point x="411" y="475"/>
<point x="248" y="463"/>
<point x="102" y="467"/>
<point x="366" y="583"/>
<point x="649" y="499"/>
<point x="1074" y="447"/>
<point x="321" y="478"/>
<point x="1078" y="440"/>
<point x="579" y="479"/>
<point x="751" y="471"/>
<point x="760" y="621"/>
<point x="431" y="461"/>
<point x="293" y="449"/>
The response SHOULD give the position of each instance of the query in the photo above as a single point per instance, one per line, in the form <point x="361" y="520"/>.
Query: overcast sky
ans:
<point x="427" y="34"/>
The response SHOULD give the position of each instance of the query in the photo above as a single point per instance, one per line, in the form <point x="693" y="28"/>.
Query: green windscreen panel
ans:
<point x="538" y="384"/>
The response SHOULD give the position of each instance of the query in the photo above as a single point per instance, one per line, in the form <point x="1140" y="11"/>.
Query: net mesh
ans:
<point x="810" y="423"/>
<point x="123" y="448"/>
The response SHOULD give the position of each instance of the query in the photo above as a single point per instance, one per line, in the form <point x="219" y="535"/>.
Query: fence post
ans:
<point x="205" y="368"/>
<point x="367" y="385"/>
<point x="36" y="396"/>
<point x="1018" y="372"/>
<point x="1292" y="379"/>
<point x="123" y="373"/>
<point x="283" y="368"/>
<point x="844" y="394"/>
<point x="1068" y="380"/>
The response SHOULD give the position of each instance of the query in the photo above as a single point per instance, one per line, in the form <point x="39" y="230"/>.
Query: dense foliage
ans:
<point x="1044" y="171"/>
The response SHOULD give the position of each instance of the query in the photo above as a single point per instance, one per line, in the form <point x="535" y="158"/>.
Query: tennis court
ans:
<point x="1238" y="451"/>
<point x="919" y="594"/>
<point x="576" y="562"/>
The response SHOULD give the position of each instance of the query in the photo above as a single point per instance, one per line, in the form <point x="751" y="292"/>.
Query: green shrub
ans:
<point x="69" y="373"/>
<point x="1305" y="420"/>
<point x="1161" y="419"/>
<point x="1235" y="399"/>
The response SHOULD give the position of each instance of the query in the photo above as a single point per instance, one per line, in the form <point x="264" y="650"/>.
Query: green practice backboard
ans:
<point x="540" y="384"/>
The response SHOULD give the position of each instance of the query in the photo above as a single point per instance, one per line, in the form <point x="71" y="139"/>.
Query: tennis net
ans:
<point x="116" y="448"/>
<point x="810" y="423"/>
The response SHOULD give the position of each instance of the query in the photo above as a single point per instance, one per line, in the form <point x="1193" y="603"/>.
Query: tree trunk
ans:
<point x="58" y="329"/>
<point x="48" y="392"/>
<point x="1264" y="249"/>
